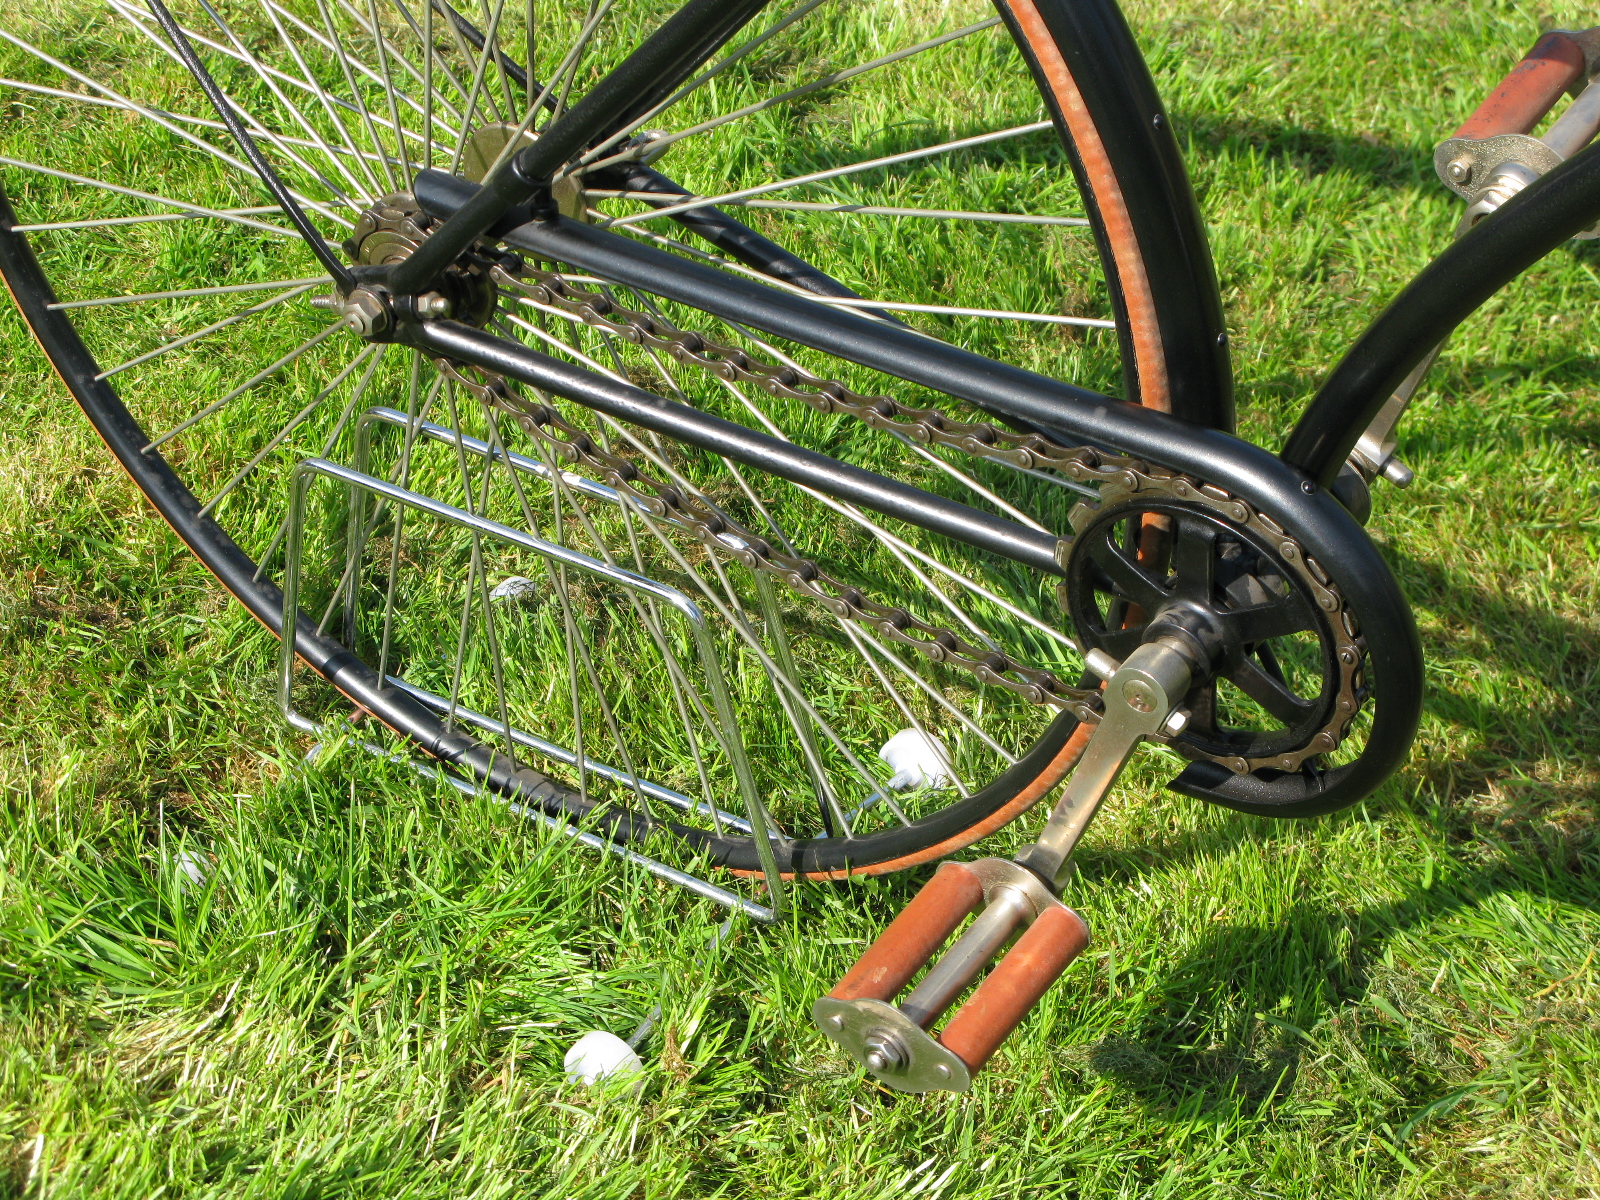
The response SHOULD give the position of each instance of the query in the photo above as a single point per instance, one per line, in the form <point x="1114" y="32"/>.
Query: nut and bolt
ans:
<point x="364" y="310"/>
<point x="885" y="1052"/>
<point x="1460" y="170"/>
<point x="433" y="304"/>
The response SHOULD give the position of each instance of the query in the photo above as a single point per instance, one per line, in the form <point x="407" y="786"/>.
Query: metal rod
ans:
<point x="973" y="950"/>
<point x="692" y="883"/>
<point x="562" y="556"/>
<point x="563" y="755"/>
<point x="625" y="402"/>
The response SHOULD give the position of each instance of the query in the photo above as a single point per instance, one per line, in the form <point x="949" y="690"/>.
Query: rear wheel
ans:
<point x="179" y="310"/>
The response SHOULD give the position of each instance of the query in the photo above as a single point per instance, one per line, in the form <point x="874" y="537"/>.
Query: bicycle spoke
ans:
<point x="267" y="80"/>
<point x="294" y="422"/>
<point x="389" y="97"/>
<point x="214" y="327"/>
<point x="870" y="164"/>
<point x="857" y="210"/>
<point x="255" y="127"/>
<point x="478" y="75"/>
<point x="325" y="100"/>
<point x="133" y="193"/>
<point x="343" y="59"/>
<point x="829" y="80"/>
<point x="300" y="285"/>
<point x="695" y="83"/>
<point x="261" y="375"/>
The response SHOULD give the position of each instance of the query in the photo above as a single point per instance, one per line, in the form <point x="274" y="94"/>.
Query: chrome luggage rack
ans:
<point x="364" y="487"/>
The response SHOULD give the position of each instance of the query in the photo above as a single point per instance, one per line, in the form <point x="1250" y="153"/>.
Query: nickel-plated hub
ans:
<point x="387" y="234"/>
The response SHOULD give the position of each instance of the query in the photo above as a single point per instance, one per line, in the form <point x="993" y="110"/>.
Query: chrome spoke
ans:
<point x="256" y="129"/>
<point x="185" y="293"/>
<point x="389" y="98"/>
<point x="117" y="189"/>
<point x="710" y="73"/>
<point x="153" y="218"/>
<point x="967" y="481"/>
<point x="562" y="75"/>
<point x="492" y="23"/>
<point x="375" y="352"/>
<point x="244" y="387"/>
<point x="870" y="164"/>
<point x="215" y="326"/>
<point x="478" y="74"/>
<point x="271" y="85"/>
<point x="844" y="206"/>
<point x="152" y="115"/>
<point x="828" y="80"/>
<point x="343" y="59"/>
<point x="328" y="45"/>
<point x="323" y="98"/>
<point x="415" y="415"/>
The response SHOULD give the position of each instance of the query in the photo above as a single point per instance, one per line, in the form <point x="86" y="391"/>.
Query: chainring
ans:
<point x="1167" y="554"/>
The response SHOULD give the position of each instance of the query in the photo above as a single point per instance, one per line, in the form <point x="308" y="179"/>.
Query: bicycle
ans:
<point x="737" y="532"/>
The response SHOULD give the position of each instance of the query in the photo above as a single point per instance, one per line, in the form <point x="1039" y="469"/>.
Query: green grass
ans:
<point x="371" y="993"/>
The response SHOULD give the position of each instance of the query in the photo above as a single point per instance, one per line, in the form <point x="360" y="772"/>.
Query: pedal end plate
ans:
<point x="893" y="1048"/>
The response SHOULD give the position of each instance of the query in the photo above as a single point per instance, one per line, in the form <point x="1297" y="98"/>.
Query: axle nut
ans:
<point x="365" y="312"/>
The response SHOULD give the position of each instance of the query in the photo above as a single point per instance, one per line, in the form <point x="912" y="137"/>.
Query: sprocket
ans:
<point x="1168" y="558"/>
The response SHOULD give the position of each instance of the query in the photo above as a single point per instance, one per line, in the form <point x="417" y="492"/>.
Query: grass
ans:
<point x="372" y="988"/>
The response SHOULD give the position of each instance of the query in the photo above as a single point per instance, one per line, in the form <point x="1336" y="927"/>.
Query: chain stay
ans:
<point x="721" y="534"/>
<point x="1119" y="477"/>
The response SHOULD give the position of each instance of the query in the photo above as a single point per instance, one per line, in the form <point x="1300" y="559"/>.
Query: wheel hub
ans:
<point x="388" y="233"/>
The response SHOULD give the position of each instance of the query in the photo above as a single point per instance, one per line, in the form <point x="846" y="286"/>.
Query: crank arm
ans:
<point x="1141" y="701"/>
<point x="893" y="1041"/>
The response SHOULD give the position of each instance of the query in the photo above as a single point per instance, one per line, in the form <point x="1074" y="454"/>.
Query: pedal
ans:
<point x="1492" y="156"/>
<point x="893" y="1041"/>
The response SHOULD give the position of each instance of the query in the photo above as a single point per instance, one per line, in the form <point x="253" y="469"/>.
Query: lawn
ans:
<point x="371" y="990"/>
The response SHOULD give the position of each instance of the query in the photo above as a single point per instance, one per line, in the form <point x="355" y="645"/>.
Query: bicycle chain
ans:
<point x="1120" y="478"/>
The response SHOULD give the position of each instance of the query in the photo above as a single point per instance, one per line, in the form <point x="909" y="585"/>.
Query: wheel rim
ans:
<point x="233" y="409"/>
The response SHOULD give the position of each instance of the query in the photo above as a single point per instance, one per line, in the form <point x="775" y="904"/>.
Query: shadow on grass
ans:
<point x="1542" y="835"/>
<point x="1382" y="161"/>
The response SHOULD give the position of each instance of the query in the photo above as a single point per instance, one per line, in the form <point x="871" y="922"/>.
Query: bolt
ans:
<point x="1140" y="696"/>
<point x="1460" y="170"/>
<point x="1101" y="663"/>
<point x="884" y="1052"/>
<point x="1175" y="724"/>
<point x="433" y="304"/>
